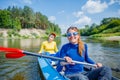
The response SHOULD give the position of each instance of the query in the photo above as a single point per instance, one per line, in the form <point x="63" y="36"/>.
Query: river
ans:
<point x="26" y="68"/>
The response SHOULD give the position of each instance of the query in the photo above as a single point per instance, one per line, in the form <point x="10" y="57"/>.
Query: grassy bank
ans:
<point x="110" y="36"/>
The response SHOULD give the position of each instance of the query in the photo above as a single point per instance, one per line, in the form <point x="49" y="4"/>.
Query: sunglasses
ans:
<point x="70" y="34"/>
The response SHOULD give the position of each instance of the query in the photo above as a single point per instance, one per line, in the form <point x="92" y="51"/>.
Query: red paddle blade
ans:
<point x="4" y="49"/>
<point x="14" y="55"/>
<point x="12" y="52"/>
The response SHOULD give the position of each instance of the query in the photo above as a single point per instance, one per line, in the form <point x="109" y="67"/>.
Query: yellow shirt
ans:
<point x="50" y="47"/>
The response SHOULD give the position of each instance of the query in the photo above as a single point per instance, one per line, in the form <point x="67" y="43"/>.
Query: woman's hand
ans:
<point x="69" y="60"/>
<point x="97" y="65"/>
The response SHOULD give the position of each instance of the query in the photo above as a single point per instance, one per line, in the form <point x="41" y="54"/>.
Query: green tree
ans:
<point x="28" y="17"/>
<point x="5" y="20"/>
<point x="17" y="25"/>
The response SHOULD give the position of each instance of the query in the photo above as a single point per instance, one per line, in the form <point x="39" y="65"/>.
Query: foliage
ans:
<point x="107" y="26"/>
<point x="5" y="20"/>
<point x="1" y="34"/>
<point x="53" y="28"/>
<point x="12" y="33"/>
<point x="18" y="18"/>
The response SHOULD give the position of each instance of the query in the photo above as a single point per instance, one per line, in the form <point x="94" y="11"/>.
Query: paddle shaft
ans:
<point x="41" y="55"/>
<point x="56" y="58"/>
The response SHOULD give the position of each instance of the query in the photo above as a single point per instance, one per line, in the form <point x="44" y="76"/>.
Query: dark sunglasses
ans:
<point x="70" y="34"/>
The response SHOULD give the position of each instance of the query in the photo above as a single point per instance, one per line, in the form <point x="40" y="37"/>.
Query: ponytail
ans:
<point x="80" y="46"/>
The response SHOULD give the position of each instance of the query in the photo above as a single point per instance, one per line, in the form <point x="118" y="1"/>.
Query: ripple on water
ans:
<point x="25" y="67"/>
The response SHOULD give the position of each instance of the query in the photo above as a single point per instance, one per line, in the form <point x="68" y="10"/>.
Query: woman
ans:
<point x="49" y="47"/>
<point x="77" y="50"/>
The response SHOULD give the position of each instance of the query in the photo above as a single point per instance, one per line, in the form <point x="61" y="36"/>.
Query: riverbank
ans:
<point x="112" y="38"/>
<point x="23" y="33"/>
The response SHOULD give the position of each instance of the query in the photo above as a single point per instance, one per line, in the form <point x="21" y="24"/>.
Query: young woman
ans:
<point x="77" y="50"/>
<point x="49" y="46"/>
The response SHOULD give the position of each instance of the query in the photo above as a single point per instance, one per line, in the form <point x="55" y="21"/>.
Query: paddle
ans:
<point x="17" y="53"/>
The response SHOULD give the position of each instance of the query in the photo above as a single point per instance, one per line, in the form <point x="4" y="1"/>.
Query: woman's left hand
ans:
<point x="98" y="65"/>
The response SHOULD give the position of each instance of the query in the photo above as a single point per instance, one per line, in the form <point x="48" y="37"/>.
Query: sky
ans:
<point x="68" y="13"/>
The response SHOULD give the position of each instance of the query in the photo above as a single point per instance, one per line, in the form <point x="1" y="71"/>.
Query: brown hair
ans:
<point x="53" y="34"/>
<point x="80" y="42"/>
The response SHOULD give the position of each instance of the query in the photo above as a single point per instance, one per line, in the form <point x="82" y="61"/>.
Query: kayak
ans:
<point x="50" y="73"/>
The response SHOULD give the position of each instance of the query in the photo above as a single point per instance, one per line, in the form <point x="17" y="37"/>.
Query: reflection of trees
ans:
<point x="30" y="43"/>
<point x="111" y="44"/>
<point x="13" y="43"/>
<point x="22" y="43"/>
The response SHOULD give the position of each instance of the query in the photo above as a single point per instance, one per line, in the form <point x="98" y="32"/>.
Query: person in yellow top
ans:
<point x="49" y="46"/>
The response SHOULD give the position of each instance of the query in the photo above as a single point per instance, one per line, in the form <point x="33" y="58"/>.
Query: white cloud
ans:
<point x="94" y="6"/>
<point x="27" y="1"/>
<point x="78" y="14"/>
<point x="52" y="18"/>
<point x="84" y="20"/>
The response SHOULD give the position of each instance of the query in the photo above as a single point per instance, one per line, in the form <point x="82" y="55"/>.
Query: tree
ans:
<point x="28" y="15"/>
<point x="114" y="23"/>
<point x="105" y="20"/>
<point x="5" y="20"/>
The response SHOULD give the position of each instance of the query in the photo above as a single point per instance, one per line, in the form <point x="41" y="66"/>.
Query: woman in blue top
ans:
<point x="77" y="50"/>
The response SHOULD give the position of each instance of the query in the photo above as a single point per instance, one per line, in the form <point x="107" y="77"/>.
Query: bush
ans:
<point x="12" y="33"/>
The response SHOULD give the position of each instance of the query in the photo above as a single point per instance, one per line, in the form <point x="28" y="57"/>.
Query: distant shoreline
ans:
<point x="112" y="38"/>
<point x="41" y="33"/>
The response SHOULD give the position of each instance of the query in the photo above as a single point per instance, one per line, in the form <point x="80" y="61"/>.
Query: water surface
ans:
<point x="28" y="68"/>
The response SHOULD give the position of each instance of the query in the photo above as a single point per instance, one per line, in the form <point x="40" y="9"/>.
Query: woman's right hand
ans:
<point x="69" y="60"/>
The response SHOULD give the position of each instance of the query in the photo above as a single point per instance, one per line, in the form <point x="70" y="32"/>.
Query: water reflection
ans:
<point x="20" y="43"/>
<point x="26" y="66"/>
